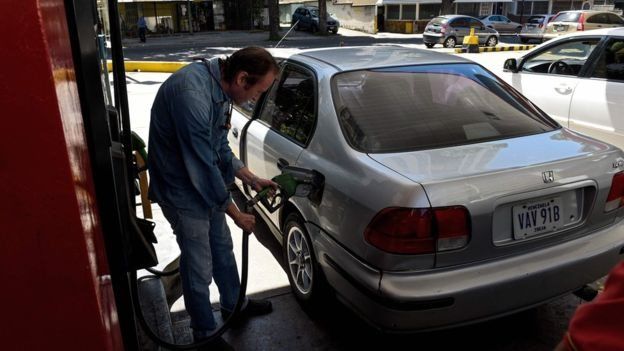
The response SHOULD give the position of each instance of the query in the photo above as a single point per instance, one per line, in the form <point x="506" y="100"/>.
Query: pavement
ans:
<point x="332" y="327"/>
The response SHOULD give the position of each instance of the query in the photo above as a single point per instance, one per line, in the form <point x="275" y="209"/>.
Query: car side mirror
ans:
<point x="511" y="65"/>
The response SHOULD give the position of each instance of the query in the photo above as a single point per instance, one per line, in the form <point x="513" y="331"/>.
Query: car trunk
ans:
<point x="522" y="193"/>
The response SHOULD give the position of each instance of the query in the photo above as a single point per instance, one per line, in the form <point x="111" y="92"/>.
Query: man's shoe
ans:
<point x="253" y="308"/>
<point x="219" y="344"/>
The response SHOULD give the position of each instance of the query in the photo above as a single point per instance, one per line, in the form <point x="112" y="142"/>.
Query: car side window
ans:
<point x="460" y="23"/>
<point x="598" y="18"/>
<point x="290" y="108"/>
<point x="475" y="23"/>
<point x="610" y="64"/>
<point x="615" y="19"/>
<point x="566" y="58"/>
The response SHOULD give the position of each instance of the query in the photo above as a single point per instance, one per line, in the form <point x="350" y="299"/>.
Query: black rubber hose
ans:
<point x="217" y="333"/>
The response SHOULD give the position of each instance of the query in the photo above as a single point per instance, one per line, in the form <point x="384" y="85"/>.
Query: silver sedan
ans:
<point x="448" y="199"/>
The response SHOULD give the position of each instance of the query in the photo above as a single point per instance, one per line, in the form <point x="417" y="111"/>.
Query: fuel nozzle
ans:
<point x="294" y="181"/>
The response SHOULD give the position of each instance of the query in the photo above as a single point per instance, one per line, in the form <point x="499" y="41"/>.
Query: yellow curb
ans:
<point x="149" y="66"/>
<point x="499" y="48"/>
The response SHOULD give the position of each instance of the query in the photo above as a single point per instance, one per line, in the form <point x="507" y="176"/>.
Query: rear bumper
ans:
<point x="433" y="39"/>
<point x="410" y="301"/>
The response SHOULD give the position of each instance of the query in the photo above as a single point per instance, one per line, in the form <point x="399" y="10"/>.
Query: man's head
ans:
<point x="248" y="73"/>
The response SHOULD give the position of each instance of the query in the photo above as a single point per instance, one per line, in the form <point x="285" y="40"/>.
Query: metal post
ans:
<point x="190" y="18"/>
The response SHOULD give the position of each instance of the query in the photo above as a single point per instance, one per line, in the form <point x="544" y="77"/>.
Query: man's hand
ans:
<point x="245" y="221"/>
<point x="260" y="183"/>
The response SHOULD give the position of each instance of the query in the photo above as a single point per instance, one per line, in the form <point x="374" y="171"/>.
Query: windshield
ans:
<point x="438" y="21"/>
<point x="429" y="106"/>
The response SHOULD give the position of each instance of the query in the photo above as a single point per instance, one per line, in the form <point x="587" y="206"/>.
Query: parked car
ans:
<point x="572" y="21"/>
<point x="578" y="79"/>
<point x="307" y="17"/>
<point x="534" y="28"/>
<point x="448" y="197"/>
<point x="450" y="30"/>
<point x="501" y="23"/>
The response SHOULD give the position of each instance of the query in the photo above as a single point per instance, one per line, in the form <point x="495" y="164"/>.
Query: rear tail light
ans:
<point x="419" y="230"/>
<point x="581" y="25"/>
<point x="615" y="199"/>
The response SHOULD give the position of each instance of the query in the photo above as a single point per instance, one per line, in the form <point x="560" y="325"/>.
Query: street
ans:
<point x="333" y="327"/>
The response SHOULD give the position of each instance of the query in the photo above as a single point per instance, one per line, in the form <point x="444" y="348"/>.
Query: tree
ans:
<point x="447" y="7"/>
<point x="274" y="23"/>
<point x="322" y="5"/>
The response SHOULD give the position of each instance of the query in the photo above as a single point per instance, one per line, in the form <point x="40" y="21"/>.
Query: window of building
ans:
<point x="468" y="8"/>
<point x="540" y="7"/>
<point x="409" y="12"/>
<point x="429" y="11"/>
<point x="393" y="12"/>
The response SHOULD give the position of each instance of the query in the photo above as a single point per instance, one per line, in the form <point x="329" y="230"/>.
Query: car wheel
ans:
<point x="335" y="31"/>
<point x="450" y="42"/>
<point x="296" y="27"/>
<point x="429" y="45"/>
<point x="304" y="274"/>
<point x="518" y="29"/>
<point x="492" y="41"/>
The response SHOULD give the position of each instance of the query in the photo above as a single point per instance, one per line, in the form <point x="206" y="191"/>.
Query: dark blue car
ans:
<point x="307" y="17"/>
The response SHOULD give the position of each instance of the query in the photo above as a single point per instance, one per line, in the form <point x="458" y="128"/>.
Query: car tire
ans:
<point x="429" y="45"/>
<point x="296" y="27"/>
<point x="518" y="29"/>
<point x="335" y="31"/>
<point x="491" y="41"/>
<point x="450" y="42"/>
<point x="304" y="273"/>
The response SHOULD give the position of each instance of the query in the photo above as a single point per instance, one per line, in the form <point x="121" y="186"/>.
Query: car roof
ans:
<point x="363" y="57"/>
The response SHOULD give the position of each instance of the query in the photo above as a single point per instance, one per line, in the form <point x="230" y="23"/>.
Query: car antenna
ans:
<point x="291" y="28"/>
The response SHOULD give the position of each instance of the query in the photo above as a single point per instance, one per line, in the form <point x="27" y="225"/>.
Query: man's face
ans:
<point x="242" y="92"/>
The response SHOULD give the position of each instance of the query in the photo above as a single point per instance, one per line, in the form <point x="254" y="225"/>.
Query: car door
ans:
<point x="615" y="20"/>
<point x="461" y="28"/>
<point x="598" y="100"/>
<point x="505" y="24"/>
<point x="597" y="21"/>
<point x="480" y="30"/>
<point x="284" y="125"/>
<point x="552" y="91"/>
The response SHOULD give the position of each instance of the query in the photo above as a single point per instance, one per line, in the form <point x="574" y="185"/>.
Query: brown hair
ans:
<point x="256" y="61"/>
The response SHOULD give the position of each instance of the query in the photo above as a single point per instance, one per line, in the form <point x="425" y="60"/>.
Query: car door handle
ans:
<point x="281" y="163"/>
<point x="563" y="89"/>
<point x="235" y="132"/>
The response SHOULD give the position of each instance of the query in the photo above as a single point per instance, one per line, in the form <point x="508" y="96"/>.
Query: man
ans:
<point x="191" y="164"/>
<point x="142" y="26"/>
<point x="599" y="325"/>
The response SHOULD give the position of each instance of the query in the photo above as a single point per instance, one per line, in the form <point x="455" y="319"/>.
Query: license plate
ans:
<point x="559" y="28"/>
<point x="530" y="26"/>
<point x="537" y="217"/>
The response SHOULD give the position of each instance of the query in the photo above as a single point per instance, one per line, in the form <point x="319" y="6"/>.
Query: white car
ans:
<point x="578" y="79"/>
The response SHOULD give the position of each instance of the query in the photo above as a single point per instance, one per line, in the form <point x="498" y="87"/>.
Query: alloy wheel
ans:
<point x="300" y="260"/>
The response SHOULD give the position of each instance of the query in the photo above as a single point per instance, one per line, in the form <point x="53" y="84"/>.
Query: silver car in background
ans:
<point x="501" y="23"/>
<point x="448" y="197"/>
<point x="534" y="28"/>
<point x="450" y="30"/>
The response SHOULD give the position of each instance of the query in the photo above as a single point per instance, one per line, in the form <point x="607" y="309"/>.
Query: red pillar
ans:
<point x="55" y="290"/>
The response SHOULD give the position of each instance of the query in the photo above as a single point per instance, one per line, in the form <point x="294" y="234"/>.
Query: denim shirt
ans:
<point x="190" y="162"/>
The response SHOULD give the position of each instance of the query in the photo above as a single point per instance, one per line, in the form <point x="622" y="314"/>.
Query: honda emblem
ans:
<point x="548" y="176"/>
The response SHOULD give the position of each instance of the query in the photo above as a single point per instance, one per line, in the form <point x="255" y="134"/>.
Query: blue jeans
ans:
<point x="205" y="252"/>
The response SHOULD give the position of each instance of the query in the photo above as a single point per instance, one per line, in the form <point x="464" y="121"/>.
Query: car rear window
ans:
<point x="536" y="19"/>
<point x="438" y="21"/>
<point x="430" y="106"/>
<point x="568" y="17"/>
